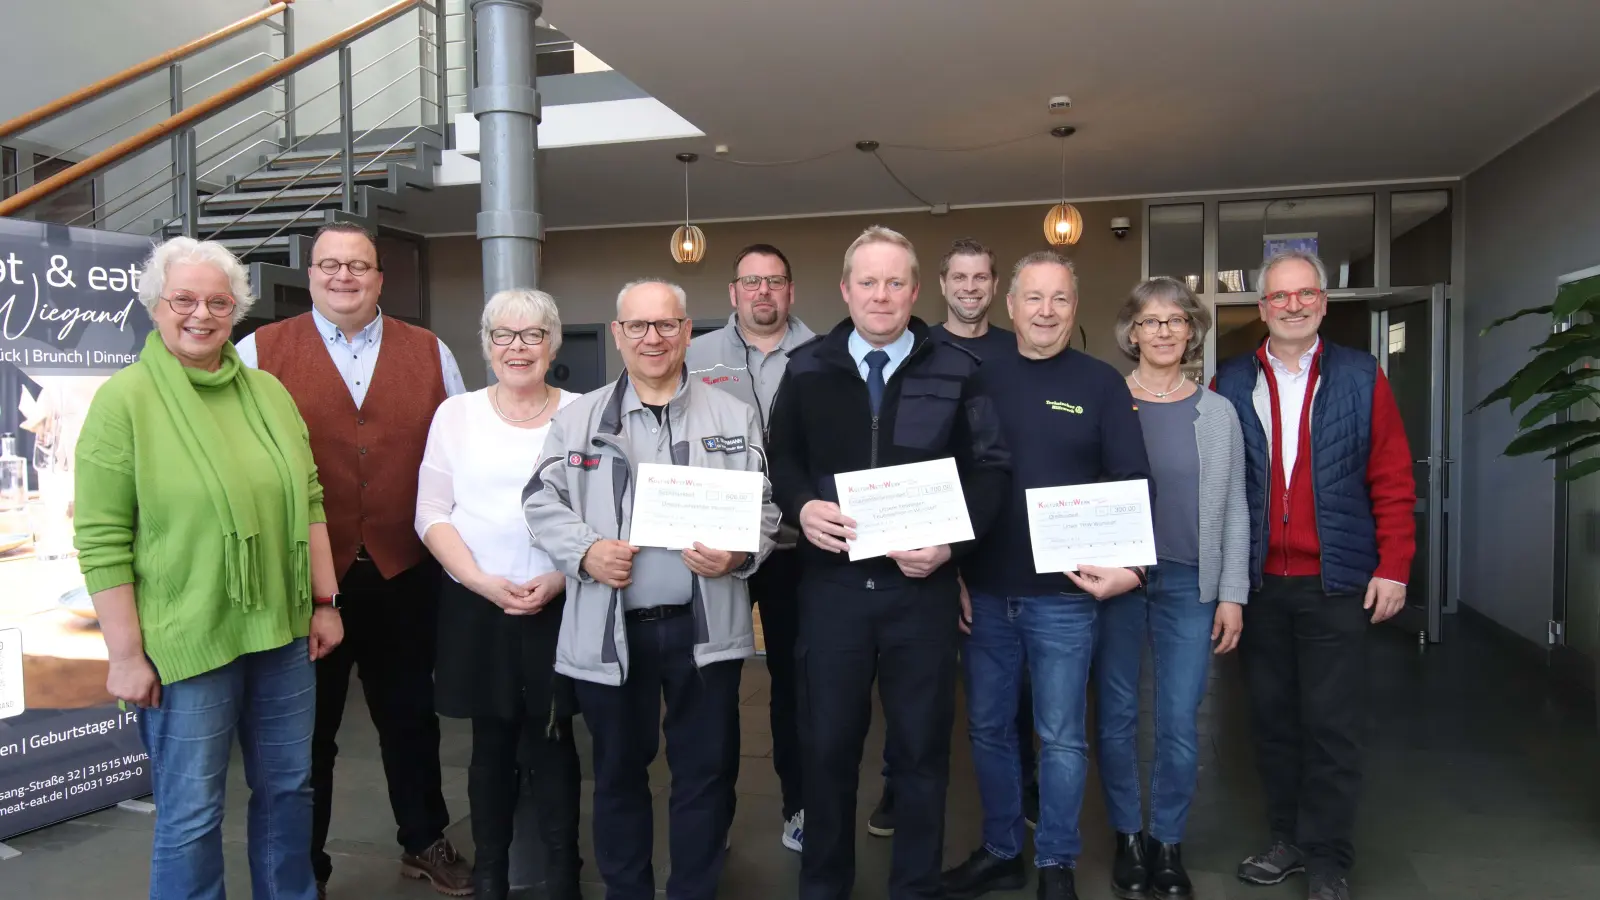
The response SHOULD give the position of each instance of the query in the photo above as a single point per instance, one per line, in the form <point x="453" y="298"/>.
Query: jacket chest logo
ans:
<point x="581" y="461"/>
<point x="723" y="444"/>
<point x="1061" y="406"/>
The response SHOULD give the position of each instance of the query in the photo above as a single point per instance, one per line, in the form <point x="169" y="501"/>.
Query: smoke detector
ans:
<point x="1060" y="104"/>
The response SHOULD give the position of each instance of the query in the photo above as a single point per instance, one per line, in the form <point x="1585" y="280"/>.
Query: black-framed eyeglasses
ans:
<point x="1152" y="325"/>
<point x="636" y="329"/>
<point x="221" y="305"/>
<point x="1307" y="296"/>
<point x="502" y="337"/>
<point x="357" y="267"/>
<point x="753" y="282"/>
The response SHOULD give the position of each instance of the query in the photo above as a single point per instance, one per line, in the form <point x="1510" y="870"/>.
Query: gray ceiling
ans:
<point x="1168" y="97"/>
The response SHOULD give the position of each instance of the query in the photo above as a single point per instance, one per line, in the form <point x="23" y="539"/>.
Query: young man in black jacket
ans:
<point x="877" y="391"/>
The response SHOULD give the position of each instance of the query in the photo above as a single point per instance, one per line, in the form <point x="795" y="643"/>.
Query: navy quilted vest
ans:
<point x="1341" y="440"/>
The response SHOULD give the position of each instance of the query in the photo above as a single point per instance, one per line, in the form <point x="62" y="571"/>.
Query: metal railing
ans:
<point x="272" y="128"/>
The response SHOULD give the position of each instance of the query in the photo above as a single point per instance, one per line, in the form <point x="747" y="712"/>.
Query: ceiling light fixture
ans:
<point x="688" y="242"/>
<point x="1063" y="225"/>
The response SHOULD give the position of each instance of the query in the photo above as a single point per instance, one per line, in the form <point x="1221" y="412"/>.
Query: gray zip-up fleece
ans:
<point x="582" y="492"/>
<point x="727" y="362"/>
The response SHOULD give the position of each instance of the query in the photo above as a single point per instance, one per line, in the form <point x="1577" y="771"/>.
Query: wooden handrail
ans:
<point x="107" y="85"/>
<point x="216" y="103"/>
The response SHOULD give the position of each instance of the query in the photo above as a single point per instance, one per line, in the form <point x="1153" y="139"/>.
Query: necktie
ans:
<point x="876" y="360"/>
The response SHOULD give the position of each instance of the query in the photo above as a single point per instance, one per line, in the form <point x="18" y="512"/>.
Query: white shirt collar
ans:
<point x="1305" y="359"/>
<point x="372" y="332"/>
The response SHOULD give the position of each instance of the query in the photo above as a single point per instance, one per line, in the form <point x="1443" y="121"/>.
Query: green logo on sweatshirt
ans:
<point x="1060" y="406"/>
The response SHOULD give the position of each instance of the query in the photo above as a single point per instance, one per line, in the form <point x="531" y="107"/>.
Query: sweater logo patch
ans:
<point x="580" y="461"/>
<point x="1060" y="406"/>
<point x="723" y="444"/>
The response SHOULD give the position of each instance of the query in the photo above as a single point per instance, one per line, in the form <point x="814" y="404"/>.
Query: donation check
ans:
<point x="675" y="506"/>
<point x="904" y="507"/>
<point x="1105" y="524"/>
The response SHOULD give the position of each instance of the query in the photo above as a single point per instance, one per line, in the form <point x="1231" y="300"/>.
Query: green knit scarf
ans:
<point x="231" y="499"/>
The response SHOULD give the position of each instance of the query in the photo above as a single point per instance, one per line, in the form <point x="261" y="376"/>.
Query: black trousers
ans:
<point x="904" y="635"/>
<point x="389" y="641"/>
<point x="625" y="724"/>
<point x="503" y="751"/>
<point x="775" y="588"/>
<point x="1305" y="665"/>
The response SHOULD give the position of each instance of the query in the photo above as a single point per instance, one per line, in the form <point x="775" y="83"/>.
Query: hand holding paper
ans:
<point x="918" y="506"/>
<point x="1103" y="524"/>
<point x="676" y="507"/>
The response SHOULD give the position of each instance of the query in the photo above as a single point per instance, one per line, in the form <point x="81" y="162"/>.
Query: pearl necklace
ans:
<point x="496" y="404"/>
<point x="1159" y="395"/>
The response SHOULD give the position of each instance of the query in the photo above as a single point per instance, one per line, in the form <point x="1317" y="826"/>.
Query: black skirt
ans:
<point x="496" y="665"/>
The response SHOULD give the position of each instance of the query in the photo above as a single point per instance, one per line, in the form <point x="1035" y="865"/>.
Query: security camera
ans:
<point x="1120" y="226"/>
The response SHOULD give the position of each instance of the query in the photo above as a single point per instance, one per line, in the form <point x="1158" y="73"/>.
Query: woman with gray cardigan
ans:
<point x="1202" y="532"/>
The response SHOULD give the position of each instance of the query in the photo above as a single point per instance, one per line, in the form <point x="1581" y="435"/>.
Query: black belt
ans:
<point x="656" y="613"/>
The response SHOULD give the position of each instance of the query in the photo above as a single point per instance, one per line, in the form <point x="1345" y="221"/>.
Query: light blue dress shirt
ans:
<point x="356" y="359"/>
<point x="898" y="349"/>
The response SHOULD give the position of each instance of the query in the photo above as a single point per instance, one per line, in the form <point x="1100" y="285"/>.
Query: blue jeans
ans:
<point x="1053" y="636"/>
<point x="1178" y="627"/>
<point x="269" y="700"/>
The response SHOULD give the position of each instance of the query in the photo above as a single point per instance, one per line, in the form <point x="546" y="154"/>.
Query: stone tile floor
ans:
<point x="1481" y="783"/>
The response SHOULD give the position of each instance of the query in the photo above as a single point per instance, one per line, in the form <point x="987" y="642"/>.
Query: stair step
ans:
<point x="325" y="176"/>
<point x="303" y="158"/>
<point x="278" y="246"/>
<point x="297" y="199"/>
<point x="256" y="223"/>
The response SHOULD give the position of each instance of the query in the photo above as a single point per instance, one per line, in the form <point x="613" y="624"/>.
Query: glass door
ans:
<point x="1407" y="331"/>
<point x="1410" y="340"/>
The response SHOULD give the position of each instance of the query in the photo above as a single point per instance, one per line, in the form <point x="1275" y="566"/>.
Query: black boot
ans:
<point x="493" y="797"/>
<point x="1057" y="883"/>
<point x="1130" y="873"/>
<point x="1168" y="879"/>
<point x="558" y="785"/>
<point x="981" y="873"/>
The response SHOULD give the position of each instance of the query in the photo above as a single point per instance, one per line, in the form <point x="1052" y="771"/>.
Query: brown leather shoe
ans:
<point x="443" y="866"/>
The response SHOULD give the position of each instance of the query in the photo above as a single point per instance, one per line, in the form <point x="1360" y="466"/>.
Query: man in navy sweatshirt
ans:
<point x="1068" y="419"/>
<point x="878" y="391"/>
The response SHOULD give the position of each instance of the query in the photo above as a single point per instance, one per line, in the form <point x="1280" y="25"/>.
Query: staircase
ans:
<point x="267" y="218"/>
<point x="270" y="186"/>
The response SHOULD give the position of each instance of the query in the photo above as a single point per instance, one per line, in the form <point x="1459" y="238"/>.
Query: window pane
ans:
<point x="1240" y="329"/>
<point x="1178" y="242"/>
<point x="66" y="205"/>
<point x="1338" y="229"/>
<point x="1420" y="231"/>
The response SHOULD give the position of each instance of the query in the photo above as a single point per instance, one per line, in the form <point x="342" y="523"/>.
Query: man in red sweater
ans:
<point x="1331" y="499"/>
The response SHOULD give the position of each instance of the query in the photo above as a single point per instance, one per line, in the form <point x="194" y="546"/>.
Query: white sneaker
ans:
<point x="794" y="831"/>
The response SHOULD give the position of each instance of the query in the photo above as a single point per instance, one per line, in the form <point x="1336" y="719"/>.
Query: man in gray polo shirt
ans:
<point x="747" y="359"/>
<point x="643" y="624"/>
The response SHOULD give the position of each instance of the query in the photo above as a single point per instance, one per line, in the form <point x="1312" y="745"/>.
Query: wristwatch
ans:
<point x="336" y="601"/>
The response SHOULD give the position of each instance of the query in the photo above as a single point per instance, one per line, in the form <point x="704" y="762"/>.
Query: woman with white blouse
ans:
<point x="500" y="610"/>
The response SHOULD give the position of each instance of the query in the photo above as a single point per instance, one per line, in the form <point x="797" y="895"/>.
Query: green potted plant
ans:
<point x="1560" y="376"/>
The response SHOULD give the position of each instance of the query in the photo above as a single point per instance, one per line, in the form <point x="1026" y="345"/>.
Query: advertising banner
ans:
<point x="69" y="319"/>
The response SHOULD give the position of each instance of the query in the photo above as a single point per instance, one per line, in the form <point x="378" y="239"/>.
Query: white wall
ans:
<point x="1533" y="214"/>
<point x="398" y="103"/>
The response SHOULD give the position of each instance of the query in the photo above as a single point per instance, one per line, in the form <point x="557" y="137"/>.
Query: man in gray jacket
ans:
<point x="747" y="359"/>
<point x="643" y="622"/>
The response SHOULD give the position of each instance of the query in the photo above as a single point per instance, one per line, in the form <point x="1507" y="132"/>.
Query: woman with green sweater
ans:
<point x="201" y="539"/>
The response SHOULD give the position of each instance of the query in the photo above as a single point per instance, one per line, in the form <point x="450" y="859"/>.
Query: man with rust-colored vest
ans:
<point x="367" y="386"/>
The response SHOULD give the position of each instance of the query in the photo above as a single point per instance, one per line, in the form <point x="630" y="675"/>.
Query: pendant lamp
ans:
<point x="1063" y="225"/>
<point x="688" y="242"/>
